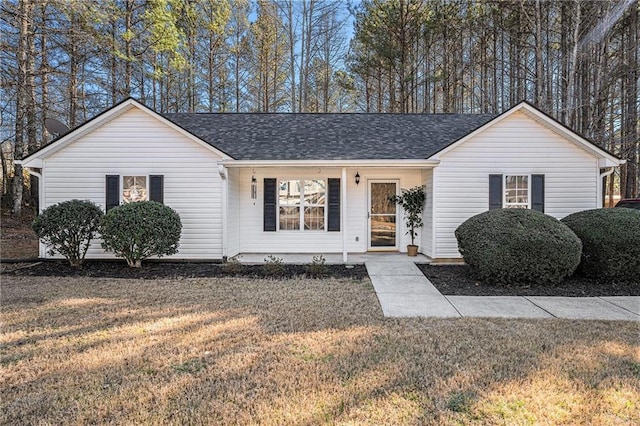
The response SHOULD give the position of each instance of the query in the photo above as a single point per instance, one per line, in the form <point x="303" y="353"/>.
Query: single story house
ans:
<point x="320" y="183"/>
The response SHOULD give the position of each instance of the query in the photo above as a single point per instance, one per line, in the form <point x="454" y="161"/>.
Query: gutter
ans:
<point x="406" y="163"/>
<point x="607" y="172"/>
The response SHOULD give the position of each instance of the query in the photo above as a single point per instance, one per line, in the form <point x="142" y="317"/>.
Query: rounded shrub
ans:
<point x="518" y="246"/>
<point x="68" y="228"/>
<point x="139" y="230"/>
<point x="610" y="242"/>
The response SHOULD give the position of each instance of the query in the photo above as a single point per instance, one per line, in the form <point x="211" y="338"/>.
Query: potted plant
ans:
<point x="412" y="202"/>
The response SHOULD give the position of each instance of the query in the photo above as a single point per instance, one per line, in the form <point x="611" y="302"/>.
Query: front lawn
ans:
<point x="247" y="351"/>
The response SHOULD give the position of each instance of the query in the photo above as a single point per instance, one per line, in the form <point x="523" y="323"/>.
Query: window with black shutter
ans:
<point x="516" y="191"/>
<point x="112" y="191"/>
<point x="156" y="188"/>
<point x="333" y="205"/>
<point x="537" y="192"/>
<point x="495" y="192"/>
<point x="270" y="204"/>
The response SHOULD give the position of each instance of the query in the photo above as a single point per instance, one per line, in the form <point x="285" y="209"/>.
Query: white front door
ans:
<point x="383" y="229"/>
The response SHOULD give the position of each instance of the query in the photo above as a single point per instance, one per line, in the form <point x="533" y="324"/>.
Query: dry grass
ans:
<point x="233" y="351"/>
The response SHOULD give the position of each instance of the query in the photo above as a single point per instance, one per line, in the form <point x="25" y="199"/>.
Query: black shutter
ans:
<point x="333" y="205"/>
<point x="495" y="192"/>
<point x="537" y="193"/>
<point x="270" y="204"/>
<point x="112" y="191"/>
<point x="156" y="188"/>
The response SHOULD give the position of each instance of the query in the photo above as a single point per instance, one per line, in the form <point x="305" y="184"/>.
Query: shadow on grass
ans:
<point x="294" y="352"/>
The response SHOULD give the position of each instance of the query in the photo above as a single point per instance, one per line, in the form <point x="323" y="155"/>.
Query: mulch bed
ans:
<point x="456" y="280"/>
<point x="453" y="280"/>
<point x="166" y="270"/>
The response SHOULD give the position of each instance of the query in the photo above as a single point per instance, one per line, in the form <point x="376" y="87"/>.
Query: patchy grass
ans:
<point x="228" y="351"/>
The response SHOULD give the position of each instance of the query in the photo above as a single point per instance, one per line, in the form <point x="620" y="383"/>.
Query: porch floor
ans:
<point x="332" y="258"/>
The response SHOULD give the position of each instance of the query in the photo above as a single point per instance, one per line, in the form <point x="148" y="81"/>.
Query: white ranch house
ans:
<point x="319" y="183"/>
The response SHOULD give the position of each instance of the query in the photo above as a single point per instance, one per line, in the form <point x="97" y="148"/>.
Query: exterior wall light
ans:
<point x="254" y="187"/>
<point x="357" y="178"/>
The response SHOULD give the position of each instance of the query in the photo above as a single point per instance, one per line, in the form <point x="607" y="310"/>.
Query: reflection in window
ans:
<point x="516" y="192"/>
<point x="289" y="202"/>
<point x="134" y="188"/>
<point x="302" y="201"/>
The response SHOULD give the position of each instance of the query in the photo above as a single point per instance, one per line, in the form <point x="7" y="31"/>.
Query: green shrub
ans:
<point x="273" y="266"/>
<point x="518" y="246"/>
<point x="233" y="266"/>
<point x="318" y="267"/>
<point x="68" y="228"/>
<point x="139" y="230"/>
<point x="610" y="242"/>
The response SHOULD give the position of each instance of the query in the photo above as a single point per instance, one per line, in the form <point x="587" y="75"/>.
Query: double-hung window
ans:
<point x="134" y="188"/>
<point x="129" y="189"/>
<point x="516" y="191"/>
<point x="302" y="204"/>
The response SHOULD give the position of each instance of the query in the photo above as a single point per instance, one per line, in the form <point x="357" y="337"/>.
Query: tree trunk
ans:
<point x="292" y="56"/>
<point x="573" y="69"/>
<point x="539" y="79"/>
<point x="25" y="18"/>
<point x="630" y="119"/>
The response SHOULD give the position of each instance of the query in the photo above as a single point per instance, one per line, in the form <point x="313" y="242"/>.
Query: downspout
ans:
<point x="607" y="172"/>
<point x="41" y="248"/>
<point x="343" y="216"/>
<point x="40" y="188"/>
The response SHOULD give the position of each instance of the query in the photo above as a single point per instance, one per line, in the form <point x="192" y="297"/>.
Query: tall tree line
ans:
<point x="70" y="59"/>
<point x="576" y="60"/>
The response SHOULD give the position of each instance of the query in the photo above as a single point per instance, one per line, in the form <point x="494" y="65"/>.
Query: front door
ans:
<point x="382" y="215"/>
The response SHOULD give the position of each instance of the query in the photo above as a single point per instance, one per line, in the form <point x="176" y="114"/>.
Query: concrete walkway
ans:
<point x="403" y="291"/>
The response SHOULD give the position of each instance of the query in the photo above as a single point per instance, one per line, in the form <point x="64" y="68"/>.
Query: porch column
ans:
<point x="222" y="171"/>
<point x="343" y="213"/>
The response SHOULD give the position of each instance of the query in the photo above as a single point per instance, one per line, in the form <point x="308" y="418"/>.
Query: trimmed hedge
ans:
<point x="68" y="228"/>
<point x="139" y="230"/>
<point x="610" y="242"/>
<point x="518" y="246"/>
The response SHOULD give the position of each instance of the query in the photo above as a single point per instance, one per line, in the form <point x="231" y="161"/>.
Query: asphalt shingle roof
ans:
<point x="281" y="136"/>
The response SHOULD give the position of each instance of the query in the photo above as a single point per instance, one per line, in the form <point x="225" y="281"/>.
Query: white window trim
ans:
<point x="301" y="206"/>
<point x="122" y="176"/>
<point x="504" y="191"/>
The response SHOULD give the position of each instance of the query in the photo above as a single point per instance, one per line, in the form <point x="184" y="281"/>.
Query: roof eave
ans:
<point x="547" y="121"/>
<point x="405" y="163"/>
<point x="37" y="157"/>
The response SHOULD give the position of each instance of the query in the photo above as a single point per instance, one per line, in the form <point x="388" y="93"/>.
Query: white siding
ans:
<point x="357" y="204"/>
<point x="515" y="145"/>
<point x="427" y="229"/>
<point x="136" y="144"/>
<point x="254" y="240"/>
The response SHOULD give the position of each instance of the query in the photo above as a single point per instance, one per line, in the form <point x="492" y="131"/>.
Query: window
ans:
<point x="516" y="192"/>
<point x="289" y="202"/>
<point x="134" y="188"/>
<point x="314" y="200"/>
<point x="301" y="203"/>
<point x="513" y="191"/>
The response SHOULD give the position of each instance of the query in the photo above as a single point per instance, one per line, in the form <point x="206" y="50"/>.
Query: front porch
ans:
<point x="294" y="212"/>
<point x="333" y="258"/>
